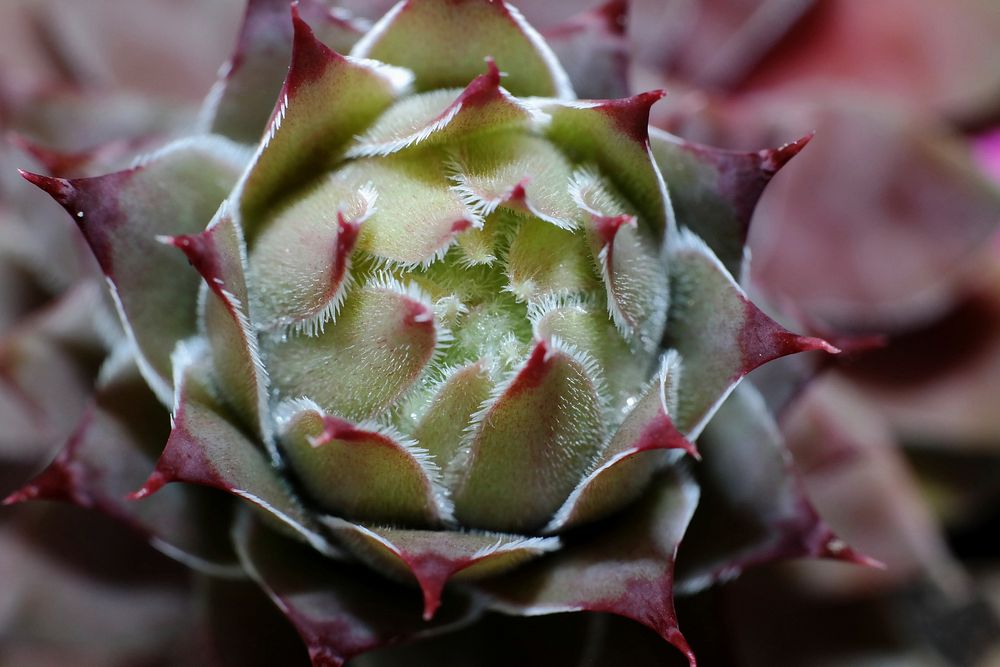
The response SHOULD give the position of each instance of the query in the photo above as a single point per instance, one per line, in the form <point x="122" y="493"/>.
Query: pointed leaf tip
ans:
<point x="156" y="481"/>
<point x="774" y="159"/>
<point x="309" y="55"/>
<point x="632" y="113"/>
<point x="835" y="548"/>
<point x="59" y="189"/>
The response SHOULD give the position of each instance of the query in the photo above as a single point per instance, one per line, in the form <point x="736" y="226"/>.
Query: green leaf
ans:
<point x="378" y="348"/>
<point x="518" y="171"/>
<point x="241" y="101"/>
<point x="444" y="115"/>
<point x="325" y="101"/>
<point x="361" y="471"/>
<point x="632" y="456"/>
<point x="445" y="43"/>
<point x="614" y="135"/>
<point x="219" y="256"/>
<point x="531" y="442"/>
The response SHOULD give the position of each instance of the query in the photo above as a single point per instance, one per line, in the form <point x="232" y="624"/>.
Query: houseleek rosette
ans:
<point x="446" y="320"/>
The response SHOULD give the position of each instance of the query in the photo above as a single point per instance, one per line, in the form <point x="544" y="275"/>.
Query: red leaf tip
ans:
<point x="811" y="343"/>
<point x="615" y="13"/>
<point x="774" y="159"/>
<point x="836" y="549"/>
<point x="157" y="480"/>
<point x="59" y="189"/>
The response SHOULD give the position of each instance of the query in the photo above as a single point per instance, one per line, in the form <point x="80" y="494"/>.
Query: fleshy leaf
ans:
<point x="714" y="191"/>
<point x="397" y="232"/>
<point x="545" y="260"/>
<point x="110" y="453"/>
<point x="382" y="341"/>
<point x="752" y="492"/>
<point x="325" y="101"/>
<point x="219" y="255"/>
<point x="720" y="334"/>
<point x="443" y="115"/>
<point x="206" y="448"/>
<point x="340" y="610"/>
<point x="594" y="49"/>
<point x="586" y="326"/>
<point x="622" y="471"/>
<point x="362" y="471"/>
<point x="441" y="428"/>
<point x="175" y="191"/>
<point x="433" y="558"/>
<point x="521" y="172"/>
<point x="531" y="442"/>
<point x="445" y="43"/>
<point x="301" y="262"/>
<point x="614" y="134"/>
<point x="635" y="277"/>
<point x="241" y="101"/>
<point x="626" y="568"/>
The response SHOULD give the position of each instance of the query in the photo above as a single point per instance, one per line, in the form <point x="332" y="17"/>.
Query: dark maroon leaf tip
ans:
<point x="775" y="158"/>
<point x="310" y="56"/>
<point x="59" y="189"/>
<point x="632" y="113"/>
<point x="615" y="15"/>
<point x="202" y="254"/>
<point x="763" y="340"/>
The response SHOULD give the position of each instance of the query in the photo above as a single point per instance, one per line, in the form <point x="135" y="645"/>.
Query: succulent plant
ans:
<point x="446" y="323"/>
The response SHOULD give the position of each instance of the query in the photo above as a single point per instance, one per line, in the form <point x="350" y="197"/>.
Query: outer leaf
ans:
<point x="219" y="255"/>
<point x="110" y="453"/>
<point x="625" y="568"/>
<point x="362" y="471"/>
<point x="175" y="191"/>
<point x="445" y="42"/>
<point x="325" y="101"/>
<point x="753" y="493"/>
<point x="239" y="105"/>
<point x="531" y="443"/>
<point x="614" y="134"/>
<point x="341" y="611"/>
<point x="594" y="49"/>
<point x="719" y="333"/>
<point x="623" y="470"/>
<point x="715" y="191"/>
<point x="433" y="558"/>
<point x="205" y="448"/>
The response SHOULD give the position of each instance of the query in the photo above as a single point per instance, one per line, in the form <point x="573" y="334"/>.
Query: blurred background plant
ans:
<point x="881" y="236"/>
